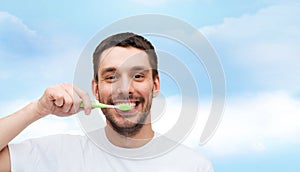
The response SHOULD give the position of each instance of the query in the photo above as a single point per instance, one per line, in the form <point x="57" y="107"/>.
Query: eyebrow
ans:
<point x="108" y="70"/>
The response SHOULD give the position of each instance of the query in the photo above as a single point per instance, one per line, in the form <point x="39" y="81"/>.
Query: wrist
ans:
<point x="36" y="111"/>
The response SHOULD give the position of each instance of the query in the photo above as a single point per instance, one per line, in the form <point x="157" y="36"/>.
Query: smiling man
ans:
<point x="125" y="72"/>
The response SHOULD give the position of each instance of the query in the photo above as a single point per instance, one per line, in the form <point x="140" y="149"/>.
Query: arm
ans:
<point x="60" y="100"/>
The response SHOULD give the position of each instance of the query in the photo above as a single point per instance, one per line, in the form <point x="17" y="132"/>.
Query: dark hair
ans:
<point x="126" y="39"/>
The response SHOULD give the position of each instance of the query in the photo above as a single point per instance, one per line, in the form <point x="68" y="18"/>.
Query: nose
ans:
<point x="124" y="86"/>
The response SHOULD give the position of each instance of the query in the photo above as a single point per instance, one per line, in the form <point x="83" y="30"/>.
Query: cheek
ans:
<point x="145" y="89"/>
<point x="104" y="91"/>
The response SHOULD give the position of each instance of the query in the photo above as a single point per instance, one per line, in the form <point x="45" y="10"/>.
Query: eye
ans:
<point x="111" y="78"/>
<point x="138" y="76"/>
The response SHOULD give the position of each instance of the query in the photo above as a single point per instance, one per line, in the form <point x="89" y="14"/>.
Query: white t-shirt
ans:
<point x="70" y="153"/>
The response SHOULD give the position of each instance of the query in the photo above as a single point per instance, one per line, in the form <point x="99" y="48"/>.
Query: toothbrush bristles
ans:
<point x="124" y="107"/>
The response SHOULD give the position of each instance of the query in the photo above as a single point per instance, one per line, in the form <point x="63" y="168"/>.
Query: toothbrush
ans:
<point x="122" y="107"/>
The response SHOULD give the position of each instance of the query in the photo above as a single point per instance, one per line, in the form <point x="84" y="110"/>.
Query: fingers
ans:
<point x="70" y="98"/>
<point x="85" y="99"/>
<point x="74" y="98"/>
<point x="66" y="100"/>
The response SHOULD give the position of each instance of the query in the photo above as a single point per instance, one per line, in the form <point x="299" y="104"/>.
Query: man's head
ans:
<point x="125" y="40"/>
<point x="125" y="71"/>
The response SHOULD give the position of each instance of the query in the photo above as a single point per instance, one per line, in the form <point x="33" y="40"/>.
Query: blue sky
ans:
<point x="257" y="43"/>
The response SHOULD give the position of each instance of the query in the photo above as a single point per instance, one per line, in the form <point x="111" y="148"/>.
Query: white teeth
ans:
<point x="128" y="104"/>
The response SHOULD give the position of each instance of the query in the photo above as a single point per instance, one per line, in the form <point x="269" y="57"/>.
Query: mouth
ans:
<point x="134" y="104"/>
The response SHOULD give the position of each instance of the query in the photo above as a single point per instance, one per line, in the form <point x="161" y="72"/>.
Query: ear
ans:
<point x="156" y="86"/>
<point x="95" y="89"/>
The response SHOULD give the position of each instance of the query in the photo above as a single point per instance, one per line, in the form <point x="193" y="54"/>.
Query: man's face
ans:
<point x="125" y="76"/>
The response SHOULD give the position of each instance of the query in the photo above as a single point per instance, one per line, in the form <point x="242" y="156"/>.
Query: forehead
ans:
<point x="123" y="58"/>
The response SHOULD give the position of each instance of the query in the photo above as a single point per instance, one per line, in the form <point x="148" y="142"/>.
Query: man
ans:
<point x="125" y="72"/>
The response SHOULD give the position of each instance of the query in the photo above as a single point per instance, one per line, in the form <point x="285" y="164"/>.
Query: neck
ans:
<point x="141" y="138"/>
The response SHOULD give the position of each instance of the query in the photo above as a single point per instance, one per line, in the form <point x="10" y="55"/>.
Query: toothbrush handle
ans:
<point x="98" y="105"/>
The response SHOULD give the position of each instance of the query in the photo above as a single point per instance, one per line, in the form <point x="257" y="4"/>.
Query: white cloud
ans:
<point x="254" y="123"/>
<point x="16" y="37"/>
<point x="264" y="44"/>
<point x="10" y="22"/>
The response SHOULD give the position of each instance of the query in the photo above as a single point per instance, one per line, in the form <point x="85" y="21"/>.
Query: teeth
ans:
<point x="128" y="104"/>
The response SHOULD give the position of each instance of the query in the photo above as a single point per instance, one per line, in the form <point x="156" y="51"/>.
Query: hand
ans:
<point x="63" y="100"/>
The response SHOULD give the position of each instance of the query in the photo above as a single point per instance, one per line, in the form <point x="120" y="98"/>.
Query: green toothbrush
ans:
<point x="122" y="107"/>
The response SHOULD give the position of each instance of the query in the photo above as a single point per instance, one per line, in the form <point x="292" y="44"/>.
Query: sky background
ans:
<point x="257" y="43"/>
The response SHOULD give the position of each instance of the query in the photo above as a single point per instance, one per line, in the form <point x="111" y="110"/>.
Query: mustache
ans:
<point x="122" y="97"/>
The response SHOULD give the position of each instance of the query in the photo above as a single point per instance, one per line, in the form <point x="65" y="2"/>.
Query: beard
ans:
<point x="129" y="128"/>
